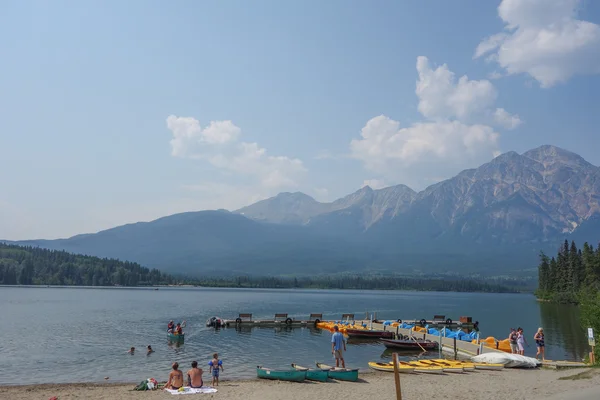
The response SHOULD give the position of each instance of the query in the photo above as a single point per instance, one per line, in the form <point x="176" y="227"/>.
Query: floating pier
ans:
<point x="279" y="320"/>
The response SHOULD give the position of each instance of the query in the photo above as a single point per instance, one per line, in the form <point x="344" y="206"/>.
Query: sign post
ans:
<point x="397" y="377"/>
<point x="592" y="343"/>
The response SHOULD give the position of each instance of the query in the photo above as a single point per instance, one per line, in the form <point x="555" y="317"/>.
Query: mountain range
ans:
<point x="493" y="219"/>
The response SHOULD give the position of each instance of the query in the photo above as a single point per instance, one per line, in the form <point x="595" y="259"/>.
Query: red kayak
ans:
<point x="416" y="344"/>
<point x="363" y="333"/>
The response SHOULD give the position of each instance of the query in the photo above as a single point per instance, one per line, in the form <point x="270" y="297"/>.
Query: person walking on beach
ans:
<point x="521" y="342"/>
<point x="337" y="344"/>
<point x="175" y="378"/>
<point x="194" y="376"/>
<point x="539" y="342"/>
<point x="215" y="364"/>
<point x="512" y="339"/>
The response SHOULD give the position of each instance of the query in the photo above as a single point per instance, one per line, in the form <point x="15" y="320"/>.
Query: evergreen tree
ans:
<point x="544" y="274"/>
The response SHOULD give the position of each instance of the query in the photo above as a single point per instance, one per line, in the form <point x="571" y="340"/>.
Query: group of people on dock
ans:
<point x="194" y="375"/>
<point x="517" y="341"/>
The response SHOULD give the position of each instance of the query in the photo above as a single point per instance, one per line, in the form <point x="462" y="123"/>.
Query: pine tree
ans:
<point x="553" y="277"/>
<point x="543" y="274"/>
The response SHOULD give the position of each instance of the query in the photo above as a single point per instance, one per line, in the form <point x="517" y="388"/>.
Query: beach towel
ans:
<point x="189" y="390"/>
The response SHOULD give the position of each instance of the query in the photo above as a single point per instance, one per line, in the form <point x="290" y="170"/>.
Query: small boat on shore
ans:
<point x="291" y="375"/>
<point x="446" y="367"/>
<point x="414" y="344"/>
<point x="466" y="365"/>
<point x="318" y="375"/>
<point x="175" y="338"/>
<point x="421" y="368"/>
<point x="366" y="333"/>
<point x="386" y="367"/>
<point x="340" y="374"/>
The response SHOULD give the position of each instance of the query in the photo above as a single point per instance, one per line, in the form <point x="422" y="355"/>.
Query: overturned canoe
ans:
<point x="340" y="374"/>
<point x="312" y="374"/>
<point x="290" y="375"/>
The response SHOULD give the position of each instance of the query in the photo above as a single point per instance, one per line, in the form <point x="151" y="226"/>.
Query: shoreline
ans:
<point x="514" y="384"/>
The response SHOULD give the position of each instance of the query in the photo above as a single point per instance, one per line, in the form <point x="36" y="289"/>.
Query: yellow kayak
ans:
<point x="447" y="367"/>
<point x="421" y="368"/>
<point x="467" y="366"/>
<point x="378" y="366"/>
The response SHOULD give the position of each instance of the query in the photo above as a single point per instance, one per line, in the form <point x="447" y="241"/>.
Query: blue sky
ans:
<point x="116" y="112"/>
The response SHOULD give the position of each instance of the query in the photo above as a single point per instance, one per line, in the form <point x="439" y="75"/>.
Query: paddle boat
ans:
<point x="312" y="374"/>
<point x="340" y="374"/>
<point x="215" y="322"/>
<point x="290" y="375"/>
<point x="379" y="366"/>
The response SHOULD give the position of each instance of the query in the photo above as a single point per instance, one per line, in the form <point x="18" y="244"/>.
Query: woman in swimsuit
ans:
<point x="539" y="341"/>
<point x="175" y="378"/>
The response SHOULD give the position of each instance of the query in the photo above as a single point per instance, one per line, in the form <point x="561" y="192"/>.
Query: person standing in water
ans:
<point x="337" y="344"/>
<point x="539" y="342"/>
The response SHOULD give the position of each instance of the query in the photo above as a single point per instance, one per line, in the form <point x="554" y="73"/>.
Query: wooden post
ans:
<point x="455" y="350"/>
<point x="440" y="346"/>
<point x="397" y="377"/>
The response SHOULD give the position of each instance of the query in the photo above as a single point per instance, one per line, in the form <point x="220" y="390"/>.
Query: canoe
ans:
<point x="290" y="375"/>
<point x="318" y="375"/>
<point x="176" y="338"/>
<point x="421" y="368"/>
<point x="379" y="366"/>
<point x="365" y="333"/>
<point x="446" y="367"/>
<point x="340" y="374"/>
<point x="466" y="365"/>
<point x="416" y="344"/>
<point x="489" y="367"/>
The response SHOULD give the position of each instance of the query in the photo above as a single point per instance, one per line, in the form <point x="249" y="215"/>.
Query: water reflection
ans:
<point x="565" y="337"/>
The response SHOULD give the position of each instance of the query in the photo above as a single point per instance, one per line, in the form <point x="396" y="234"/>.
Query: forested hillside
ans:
<point x="37" y="266"/>
<point x="573" y="276"/>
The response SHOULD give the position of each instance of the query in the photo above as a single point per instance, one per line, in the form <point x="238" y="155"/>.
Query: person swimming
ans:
<point x="131" y="350"/>
<point x="149" y="350"/>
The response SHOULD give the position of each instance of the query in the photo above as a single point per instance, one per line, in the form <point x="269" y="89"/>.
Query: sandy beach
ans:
<point x="488" y="385"/>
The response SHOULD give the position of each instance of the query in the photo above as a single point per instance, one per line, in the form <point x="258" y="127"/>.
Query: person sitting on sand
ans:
<point x="170" y="327"/>
<point x="539" y="342"/>
<point x="175" y="378"/>
<point x="215" y="364"/>
<point x="337" y="342"/>
<point x="131" y="350"/>
<point x="512" y="339"/>
<point x="194" y="376"/>
<point x="149" y="350"/>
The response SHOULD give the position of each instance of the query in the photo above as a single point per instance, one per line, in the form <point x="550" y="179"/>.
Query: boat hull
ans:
<point x="339" y="374"/>
<point x="409" y="344"/>
<point x="378" y="366"/>
<point x="176" y="338"/>
<point x="291" y="375"/>
<point x="364" y="333"/>
<point x="318" y="375"/>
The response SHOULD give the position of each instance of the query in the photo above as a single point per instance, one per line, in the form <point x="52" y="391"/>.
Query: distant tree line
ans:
<point x="37" y="266"/>
<point x="361" y="282"/>
<point x="573" y="276"/>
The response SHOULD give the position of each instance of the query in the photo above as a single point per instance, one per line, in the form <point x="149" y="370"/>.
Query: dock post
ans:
<point x="481" y="348"/>
<point x="440" y="346"/>
<point x="477" y="337"/>
<point x="455" y="349"/>
<point x="397" y="377"/>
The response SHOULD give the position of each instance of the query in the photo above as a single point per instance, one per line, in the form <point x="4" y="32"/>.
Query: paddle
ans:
<point x="422" y="348"/>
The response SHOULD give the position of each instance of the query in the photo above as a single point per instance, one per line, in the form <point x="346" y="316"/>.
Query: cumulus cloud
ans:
<point x="544" y="39"/>
<point x="218" y="144"/>
<point x="505" y="119"/>
<point x="457" y="131"/>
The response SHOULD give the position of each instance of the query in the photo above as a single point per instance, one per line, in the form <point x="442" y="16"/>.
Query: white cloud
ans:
<point x="321" y="194"/>
<point x="509" y="121"/>
<point x="374" y="183"/>
<point x="545" y="40"/>
<point x="456" y="134"/>
<point x="442" y="97"/>
<point x="218" y="144"/>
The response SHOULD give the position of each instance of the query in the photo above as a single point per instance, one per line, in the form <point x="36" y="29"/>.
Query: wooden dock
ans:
<point x="279" y="320"/>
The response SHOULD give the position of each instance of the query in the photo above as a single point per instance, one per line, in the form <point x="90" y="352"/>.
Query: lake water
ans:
<point x="83" y="334"/>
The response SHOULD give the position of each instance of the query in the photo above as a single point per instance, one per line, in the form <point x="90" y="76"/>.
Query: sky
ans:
<point x="114" y="112"/>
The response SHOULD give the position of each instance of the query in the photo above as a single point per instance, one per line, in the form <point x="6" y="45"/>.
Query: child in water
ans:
<point x="215" y="364"/>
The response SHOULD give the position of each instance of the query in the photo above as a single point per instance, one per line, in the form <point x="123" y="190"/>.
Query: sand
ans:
<point x="488" y="385"/>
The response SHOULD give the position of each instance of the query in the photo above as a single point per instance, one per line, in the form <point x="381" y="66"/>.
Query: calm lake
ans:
<point x="82" y="334"/>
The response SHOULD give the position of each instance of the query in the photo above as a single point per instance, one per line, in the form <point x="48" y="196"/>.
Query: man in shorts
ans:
<point x="512" y="339"/>
<point x="338" y="346"/>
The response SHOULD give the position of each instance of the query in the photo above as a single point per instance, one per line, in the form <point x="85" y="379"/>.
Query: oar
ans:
<point x="422" y="348"/>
